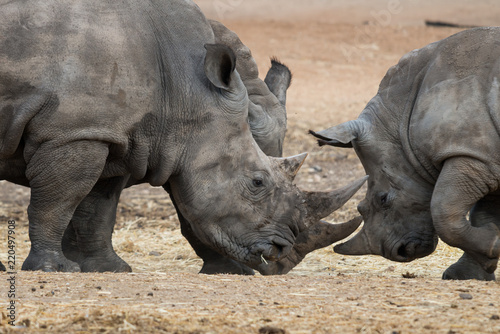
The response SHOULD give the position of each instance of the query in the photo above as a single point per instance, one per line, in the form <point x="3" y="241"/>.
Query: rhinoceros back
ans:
<point x="443" y="100"/>
<point x="92" y="70"/>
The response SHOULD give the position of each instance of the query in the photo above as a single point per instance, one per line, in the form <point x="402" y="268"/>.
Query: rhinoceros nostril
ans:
<point x="402" y="251"/>
<point x="408" y="251"/>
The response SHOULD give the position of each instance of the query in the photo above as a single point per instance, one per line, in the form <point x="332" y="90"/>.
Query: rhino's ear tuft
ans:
<point x="339" y="136"/>
<point x="220" y="62"/>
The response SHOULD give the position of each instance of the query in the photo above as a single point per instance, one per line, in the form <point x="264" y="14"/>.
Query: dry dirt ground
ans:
<point x="338" y="52"/>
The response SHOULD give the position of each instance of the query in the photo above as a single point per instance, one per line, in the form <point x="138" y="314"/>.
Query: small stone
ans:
<point x="495" y="317"/>
<point x="465" y="296"/>
<point x="409" y="275"/>
<point x="98" y="287"/>
<point x="150" y="294"/>
<point x="154" y="253"/>
<point x="33" y="289"/>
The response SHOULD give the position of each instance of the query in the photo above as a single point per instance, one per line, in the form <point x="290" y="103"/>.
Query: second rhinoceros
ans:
<point x="97" y="95"/>
<point x="430" y="142"/>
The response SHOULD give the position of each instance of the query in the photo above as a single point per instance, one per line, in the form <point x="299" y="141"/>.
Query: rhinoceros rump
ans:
<point x="430" y="142"/>
<point x="98" y="95"/>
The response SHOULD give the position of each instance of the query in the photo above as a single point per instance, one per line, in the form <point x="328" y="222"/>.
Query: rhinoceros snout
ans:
<point x="273" y="251"/>
<point x="410" y="250"/>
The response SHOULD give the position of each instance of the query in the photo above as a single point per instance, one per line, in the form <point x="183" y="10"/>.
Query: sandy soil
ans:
<point x="338" y="52"/>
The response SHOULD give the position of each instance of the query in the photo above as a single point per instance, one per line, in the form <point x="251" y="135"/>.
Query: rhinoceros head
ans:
<point x="396" y="209"/>
<point x="238" y="200"/>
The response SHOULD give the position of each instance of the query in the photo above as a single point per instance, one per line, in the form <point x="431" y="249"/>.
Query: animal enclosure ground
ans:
<point x="338" y="52"/>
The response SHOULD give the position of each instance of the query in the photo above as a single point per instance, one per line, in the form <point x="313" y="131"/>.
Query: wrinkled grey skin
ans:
<point x="99" y="95"/>
<point x="430" y="142"/>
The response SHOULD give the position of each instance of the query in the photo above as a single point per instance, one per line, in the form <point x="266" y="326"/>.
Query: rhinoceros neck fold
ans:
<point x="178" y="85"/>
<point x="396" y="101"/>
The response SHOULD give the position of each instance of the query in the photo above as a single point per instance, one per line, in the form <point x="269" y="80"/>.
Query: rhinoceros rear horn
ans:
<point x="322" y="204"/>
<point x="340" y="135"/>
<point x="220" y="62"/>
<point x="291" y="165"/>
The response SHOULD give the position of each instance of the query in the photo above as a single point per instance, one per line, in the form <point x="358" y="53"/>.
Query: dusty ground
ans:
<point x="339" y="52"/>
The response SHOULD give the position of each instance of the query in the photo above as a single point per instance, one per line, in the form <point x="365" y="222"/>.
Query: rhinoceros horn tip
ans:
<point x="357" y="245"/>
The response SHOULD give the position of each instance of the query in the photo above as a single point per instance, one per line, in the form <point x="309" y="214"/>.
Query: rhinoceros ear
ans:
<point x="340" y="135"/>
<point x="220" y="63"/>
<point x="278" y="80"/>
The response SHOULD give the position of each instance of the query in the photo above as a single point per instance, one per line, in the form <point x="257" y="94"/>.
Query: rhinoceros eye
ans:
<point x="384" y="200"/>
<point x="257" y="183"/>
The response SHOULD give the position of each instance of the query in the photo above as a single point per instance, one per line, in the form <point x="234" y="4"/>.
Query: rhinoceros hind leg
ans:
<point x="49" y="261"/>
<point x="467" y="268"/>
<point x="60" y="176"/>
<point x="106" y="263"/>
<point x="87" y="239"/>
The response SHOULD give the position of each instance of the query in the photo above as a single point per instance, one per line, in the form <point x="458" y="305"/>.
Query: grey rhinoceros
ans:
<point x="430" y="143"/>
<point x="98" y="95"/>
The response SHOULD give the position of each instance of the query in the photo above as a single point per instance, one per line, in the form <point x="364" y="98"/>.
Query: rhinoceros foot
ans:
<point x="49" y="261"/>
<point x="108" y="263"/>
<point x="467" y="268"/>
<point x="224" y="265"/>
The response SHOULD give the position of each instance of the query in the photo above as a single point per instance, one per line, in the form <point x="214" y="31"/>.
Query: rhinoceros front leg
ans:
<point x="486" y="211"/>
<point x="60" y="176"/>
<point x="87" y="239"/>
<point x="213" y="262"/>
<point x="461" y="183"/>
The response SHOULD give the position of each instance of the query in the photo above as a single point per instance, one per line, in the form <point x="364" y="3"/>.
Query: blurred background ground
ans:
<point x="338" y="52"/>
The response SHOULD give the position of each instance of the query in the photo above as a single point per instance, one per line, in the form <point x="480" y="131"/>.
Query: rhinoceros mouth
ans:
<point x="273" y="251"/>
<point x="410" y="249"/>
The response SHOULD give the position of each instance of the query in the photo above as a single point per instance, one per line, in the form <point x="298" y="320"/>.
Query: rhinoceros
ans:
<point x="430" y="143"/>
<point x="267" y="119"/>
<point x="99" y="95"/>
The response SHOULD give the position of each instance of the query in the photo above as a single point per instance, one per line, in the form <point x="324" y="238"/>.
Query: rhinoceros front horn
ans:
<point x="322" y="204"/>
<point x="357" y="245"/>
<point x="291" y="165"/>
